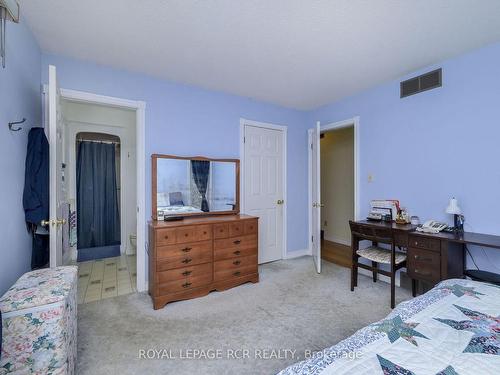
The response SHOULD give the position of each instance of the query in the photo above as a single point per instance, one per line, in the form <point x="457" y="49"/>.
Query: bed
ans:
<point x="452" y="329"/>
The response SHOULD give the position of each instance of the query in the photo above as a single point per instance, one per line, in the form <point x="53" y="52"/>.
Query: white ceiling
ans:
<point x="296" y="53"/>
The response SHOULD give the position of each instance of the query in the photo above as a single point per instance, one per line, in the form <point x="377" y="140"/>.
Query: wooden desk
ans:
<point x="435" y="257"/>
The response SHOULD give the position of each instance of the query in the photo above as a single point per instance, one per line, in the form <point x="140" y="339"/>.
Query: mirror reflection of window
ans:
<point x="195" y="186"/>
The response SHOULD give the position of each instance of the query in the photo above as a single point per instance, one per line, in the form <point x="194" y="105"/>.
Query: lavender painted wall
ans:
<point x="186" y="120"/>
<point x="19" y="97"/>
<point x="426" y="148"/>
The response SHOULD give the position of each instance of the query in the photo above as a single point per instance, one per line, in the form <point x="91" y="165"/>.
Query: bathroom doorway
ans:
<point x="100" y="179"/>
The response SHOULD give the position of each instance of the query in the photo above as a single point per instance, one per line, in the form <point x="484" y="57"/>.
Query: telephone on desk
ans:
<point x="432" y="226"/>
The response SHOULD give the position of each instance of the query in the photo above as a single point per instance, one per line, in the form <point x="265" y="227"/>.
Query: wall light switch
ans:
<point x="370" y="178"/>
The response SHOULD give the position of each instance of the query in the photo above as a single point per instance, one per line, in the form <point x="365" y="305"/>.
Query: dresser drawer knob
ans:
<point x="237" y="252"/>
<point x="186" y="285"/>
<point x="187" y="249"/>
<point x="187" y="260"/>
<point x="236" y="262"/>
<point x="237" y="273"/>
<point x="416" y="257"/>
<point x="237" y="242"/>
<point x="187" y="273"/>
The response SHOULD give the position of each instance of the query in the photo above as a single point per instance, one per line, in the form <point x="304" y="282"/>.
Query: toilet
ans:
<point x="133" y="244"/>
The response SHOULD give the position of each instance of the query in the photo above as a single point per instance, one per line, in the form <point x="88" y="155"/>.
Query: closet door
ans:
<point x="55" y="135"/>
<point x="264" y="187"/>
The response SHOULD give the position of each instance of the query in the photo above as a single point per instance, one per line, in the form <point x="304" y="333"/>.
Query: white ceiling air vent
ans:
<point x="9" y="11"/>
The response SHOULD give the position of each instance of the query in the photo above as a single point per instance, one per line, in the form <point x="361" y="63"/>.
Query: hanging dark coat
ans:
<point x="36" y="193"/>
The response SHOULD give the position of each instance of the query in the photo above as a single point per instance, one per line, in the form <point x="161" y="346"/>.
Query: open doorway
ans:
<point x="337" y="193"/>
<point x="99" y="158"/>
<point x="333" y="189"/>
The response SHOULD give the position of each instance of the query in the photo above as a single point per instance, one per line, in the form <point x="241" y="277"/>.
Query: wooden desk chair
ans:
<point x="375" y="253"/>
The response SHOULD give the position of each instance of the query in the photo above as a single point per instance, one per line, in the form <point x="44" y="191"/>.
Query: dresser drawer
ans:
<point x="232" y="268"/>
<point x="251" y="226"/>
<point x="236" y="229"/>
<point x="221" y="231"/>
<point x="423" y="264"/>
<point x="425" y="243"/>
<point x="236" y="243"/>
<point x="231" y="252"/>
<point x="184" y="284"/>
<point x="202" y="255"/>
<point x="184" y="249"/>
<point x="183" y="273"/>
<point x="165" y="237"/>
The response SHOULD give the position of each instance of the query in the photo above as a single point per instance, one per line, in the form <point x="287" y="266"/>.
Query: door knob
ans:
<point x="45" y="222"/>
<point x="280" y="201"/>
<point x="60" y="221"/>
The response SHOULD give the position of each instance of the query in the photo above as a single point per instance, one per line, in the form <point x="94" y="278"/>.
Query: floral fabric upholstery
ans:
<point x="39" y="323"/>
<point x="380" y="255"/>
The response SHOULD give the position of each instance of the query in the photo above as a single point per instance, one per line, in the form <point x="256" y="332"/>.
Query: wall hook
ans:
<point x="11" y="124"/>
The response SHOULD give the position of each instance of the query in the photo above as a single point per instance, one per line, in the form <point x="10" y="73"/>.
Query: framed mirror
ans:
<point x="191" y="186"/>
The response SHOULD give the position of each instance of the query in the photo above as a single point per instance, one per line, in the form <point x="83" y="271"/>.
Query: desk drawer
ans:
<point x="425" y="243"/>
<point x="401" y="239"/>
<point x="423" y="264"/>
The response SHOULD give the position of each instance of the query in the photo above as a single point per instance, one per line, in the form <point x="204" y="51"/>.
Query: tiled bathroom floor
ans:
<point x="105" y="278"/>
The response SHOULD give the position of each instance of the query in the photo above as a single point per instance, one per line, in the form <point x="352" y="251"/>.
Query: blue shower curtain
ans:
<point x="98" y="213"/>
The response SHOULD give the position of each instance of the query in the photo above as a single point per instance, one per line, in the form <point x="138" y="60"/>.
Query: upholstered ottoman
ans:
<point x="39" y="323"/>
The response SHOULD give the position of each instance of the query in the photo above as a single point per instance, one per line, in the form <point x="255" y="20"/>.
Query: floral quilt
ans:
<point x="452" y="329"/>
<point x="39" y="323"/>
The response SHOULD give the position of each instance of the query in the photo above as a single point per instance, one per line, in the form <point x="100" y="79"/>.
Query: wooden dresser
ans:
<point x="191" y="257"/>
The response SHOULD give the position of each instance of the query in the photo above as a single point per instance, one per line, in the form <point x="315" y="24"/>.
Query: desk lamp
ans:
<point x="455" y="210"/>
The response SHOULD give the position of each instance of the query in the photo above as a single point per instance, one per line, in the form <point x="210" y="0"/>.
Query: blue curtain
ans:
<point x="98" y="215"/>
<point x="201" y="169"/>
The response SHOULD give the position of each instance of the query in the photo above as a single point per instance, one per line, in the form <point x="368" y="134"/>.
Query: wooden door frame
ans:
<point x="140" y="109"/>
<point x="354" y="121"/>
<point x="284" y="130"/>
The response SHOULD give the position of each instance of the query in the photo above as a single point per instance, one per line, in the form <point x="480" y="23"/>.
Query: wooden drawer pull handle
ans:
<point x="187" y="249"/>
<point x="187" y="273"/>
<point x="236" y="262"/>
<point x="237" y="273"/>
<point x="187" y="260"/>
<point x="237" y="252"/>
<point x="186" y="285"/>
<point x="237" y="242"/>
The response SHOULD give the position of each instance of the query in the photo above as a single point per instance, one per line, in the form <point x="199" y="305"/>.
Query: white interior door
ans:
<point x="55" y="128"/>
<point x="263" y="187"/>
<point x="315" y="204"/>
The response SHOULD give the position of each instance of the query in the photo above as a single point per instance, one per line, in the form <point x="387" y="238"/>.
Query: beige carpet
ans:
<point x="292" y="309"/>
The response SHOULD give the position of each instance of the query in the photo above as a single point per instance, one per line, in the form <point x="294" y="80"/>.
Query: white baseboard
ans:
<point x="297" y="253"/>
